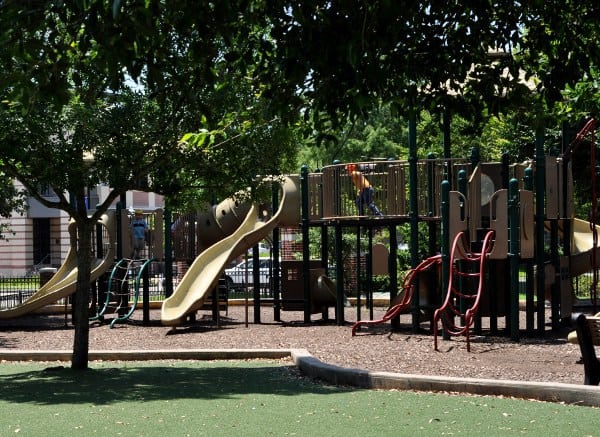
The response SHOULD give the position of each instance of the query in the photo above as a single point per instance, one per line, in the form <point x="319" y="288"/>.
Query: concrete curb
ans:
<point x="551" y="392"/>
<point x="309" y="365"/>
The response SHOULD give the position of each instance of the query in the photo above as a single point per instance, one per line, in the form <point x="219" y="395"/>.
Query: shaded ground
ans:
<point x="252" y="398"/>
<point x="549" y="358"/>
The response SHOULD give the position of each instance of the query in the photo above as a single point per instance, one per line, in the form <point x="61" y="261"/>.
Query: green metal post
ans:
<point x="256" y="282"/>
<point x="305" y="244"/>
<point x="529" y="275"/>
<point x="146" y="294"/>
<point x="555" y="287"/>
<point x="325" y="247"/>
<point x="276" y="281"/>
<point x="99" y="242"/>
<point x="513" y="255"/>
<point x="430" y="184"/>
<point x="393" y="269"/>
<point x="339" y="261"/>
<point x="462" y="188"/>
<point x="431" y="203"/>
<point x="357" y="269"/>
<point x="540" y="207"/>
<point x="168" y="253"/>
<point x="566" y="220"/>
<point x="413" y="213"/>
<point x="119" y="231"/>
<point x="369" y="272"/>
<point x="446" y="142"/>
<point x="462" y="182"/>
<point x="555" y="259"/>
<point x="445" y="242"/>
<point x="505" y="169"/>
<point x="475" y="157"/>
<point x="497" y="286"/>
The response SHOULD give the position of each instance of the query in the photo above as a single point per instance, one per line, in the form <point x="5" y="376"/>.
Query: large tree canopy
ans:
<point x="463" y="56"/>
<point x="326" y="57"/>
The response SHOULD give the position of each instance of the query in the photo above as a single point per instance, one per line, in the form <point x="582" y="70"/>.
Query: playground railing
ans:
<point x="333" y="193"/>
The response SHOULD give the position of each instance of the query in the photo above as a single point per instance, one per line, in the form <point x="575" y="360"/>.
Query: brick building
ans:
<point x="39" y="238"/>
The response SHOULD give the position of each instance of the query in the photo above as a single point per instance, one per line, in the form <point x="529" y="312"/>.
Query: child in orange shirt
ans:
<point x="365" y="191"/>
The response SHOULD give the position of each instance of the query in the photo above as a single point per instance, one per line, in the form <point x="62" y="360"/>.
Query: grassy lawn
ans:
<point x="251" y="398"/>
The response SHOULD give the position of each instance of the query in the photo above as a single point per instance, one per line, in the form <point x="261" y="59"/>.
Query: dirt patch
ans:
<point x="548" y="358"/>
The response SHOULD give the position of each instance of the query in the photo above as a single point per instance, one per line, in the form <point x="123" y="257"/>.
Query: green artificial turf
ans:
<point x="252" y="398"/>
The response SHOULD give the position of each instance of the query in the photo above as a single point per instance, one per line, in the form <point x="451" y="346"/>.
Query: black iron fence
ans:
<point x="582" y="285"/>
<point x="14" y="290"/>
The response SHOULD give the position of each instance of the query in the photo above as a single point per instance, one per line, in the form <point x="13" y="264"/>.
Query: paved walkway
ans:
<point x="309" y="365"/>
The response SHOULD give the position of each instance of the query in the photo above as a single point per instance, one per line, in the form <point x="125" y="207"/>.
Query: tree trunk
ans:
<point x="82" y="293"/>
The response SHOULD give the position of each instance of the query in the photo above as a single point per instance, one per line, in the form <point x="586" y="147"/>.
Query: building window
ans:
<point x="41" y="241"/>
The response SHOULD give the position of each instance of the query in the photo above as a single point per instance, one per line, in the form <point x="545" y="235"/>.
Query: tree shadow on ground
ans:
<point x="134" y="382"/>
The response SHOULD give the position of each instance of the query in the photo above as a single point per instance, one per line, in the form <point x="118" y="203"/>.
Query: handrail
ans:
<point x="459" y="252"/>
<point x="406" y="296"/>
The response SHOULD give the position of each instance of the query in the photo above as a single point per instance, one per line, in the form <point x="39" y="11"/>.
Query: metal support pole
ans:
<point x="339" y="260"/>
<point x="462" y="188"/>
<point x="413" y="212"/>
<point x="445" y="241"/>
<point x="431" y="204"/>
<point x="146" y="295"/>
<point x="513" y="255"/>
<point x="369" y="273"/>
<point x="540" y="207"/>
<point x="168" y="253"/>
<point x="393" y="269"/>
<point x="305" y="243"/>
<point x="118" y="221"/>
<point x="505" y="170"/>
<point x="256" y="282"/>
<point x="276" y="278"/>
<point x="357" y="269"/>
<point x="529" y="275"/>
<point x="446" y="141"/>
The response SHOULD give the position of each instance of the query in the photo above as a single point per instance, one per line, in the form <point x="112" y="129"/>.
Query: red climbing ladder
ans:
<point x="466" y="266"/>
<point x="404" y="300"/>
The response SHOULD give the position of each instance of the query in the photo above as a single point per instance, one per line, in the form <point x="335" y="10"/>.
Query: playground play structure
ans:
<point x="493" y="229"/>
<point x="63" y="283"/>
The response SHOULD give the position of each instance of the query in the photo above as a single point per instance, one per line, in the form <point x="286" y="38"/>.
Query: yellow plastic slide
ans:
<point x="204" y="273"/>
<point x="64" y="282"/>
<point x="583" y="244"/>
<point x="581" y="260"/>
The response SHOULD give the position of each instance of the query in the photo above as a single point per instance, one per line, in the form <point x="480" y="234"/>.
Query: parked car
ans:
<point x="237" y="276"/>
<point x="262" y="248"/>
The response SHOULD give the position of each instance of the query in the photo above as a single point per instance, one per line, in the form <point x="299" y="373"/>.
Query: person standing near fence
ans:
<point x="365" y="191"/>
<point x="139" y="230"/>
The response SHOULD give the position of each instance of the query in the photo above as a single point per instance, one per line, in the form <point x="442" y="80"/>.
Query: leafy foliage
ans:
<point x="10" y="201"/>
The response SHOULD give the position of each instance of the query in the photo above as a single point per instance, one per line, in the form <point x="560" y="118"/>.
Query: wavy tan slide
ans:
<point x="581" y="253"/>
<point x="583" y="244"/>
<point x="204" y="273"/>
<point x="581" y="261"/>
<point x="64" y="281"/>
